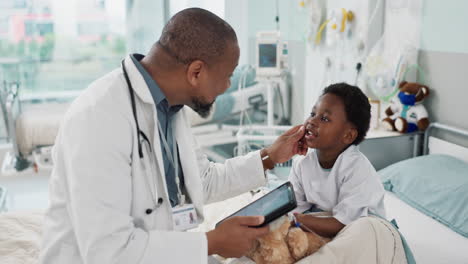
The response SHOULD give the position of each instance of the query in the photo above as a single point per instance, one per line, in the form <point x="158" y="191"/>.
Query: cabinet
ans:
<point x="384" y="148"/>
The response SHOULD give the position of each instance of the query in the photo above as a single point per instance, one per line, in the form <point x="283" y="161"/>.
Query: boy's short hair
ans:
<point x="357" y="107"/>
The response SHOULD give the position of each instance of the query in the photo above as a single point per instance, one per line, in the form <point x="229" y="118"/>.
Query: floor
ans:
<point x="26" y="192"/>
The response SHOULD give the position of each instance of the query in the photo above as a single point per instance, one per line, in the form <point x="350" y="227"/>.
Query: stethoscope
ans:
<point x="141" y="135"/>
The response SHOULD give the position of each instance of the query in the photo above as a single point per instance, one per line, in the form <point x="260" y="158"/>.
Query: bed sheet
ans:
<point x="20" y="236"/>
<point x="429" y="240"/>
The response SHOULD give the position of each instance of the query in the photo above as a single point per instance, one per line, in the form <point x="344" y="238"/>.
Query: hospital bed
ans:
<point x="430" y="241"/>
<point x="250" y="100"/>
<point x="31" y="130"/>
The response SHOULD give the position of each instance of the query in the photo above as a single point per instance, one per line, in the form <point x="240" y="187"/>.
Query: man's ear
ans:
<point x="350" y="135"/>
<point x="194" y="70"/>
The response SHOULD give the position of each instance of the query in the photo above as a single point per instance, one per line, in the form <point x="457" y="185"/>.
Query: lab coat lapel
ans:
<point x="189" y="162"/>
<point x="142" y="91"/>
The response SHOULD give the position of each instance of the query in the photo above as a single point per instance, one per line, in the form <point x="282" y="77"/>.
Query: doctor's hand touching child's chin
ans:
<point x="287" y="145"/>
<point x="235" y="236"/>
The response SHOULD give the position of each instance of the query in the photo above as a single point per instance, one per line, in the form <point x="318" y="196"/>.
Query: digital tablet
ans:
<point x="272" y="205"/>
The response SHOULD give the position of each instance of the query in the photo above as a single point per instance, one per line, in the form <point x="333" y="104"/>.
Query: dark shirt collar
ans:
<point x="156" y="92"/>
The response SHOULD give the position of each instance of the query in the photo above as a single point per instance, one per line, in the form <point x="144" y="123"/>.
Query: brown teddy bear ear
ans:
<point x="403" y="84"/>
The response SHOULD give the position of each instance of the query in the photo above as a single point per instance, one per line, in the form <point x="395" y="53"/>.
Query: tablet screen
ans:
<point x="267" y="204"/>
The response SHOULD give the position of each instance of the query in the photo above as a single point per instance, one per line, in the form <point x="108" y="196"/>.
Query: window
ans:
<point x="60" y="45"/>
<point x="91" y="28"/>
<point x="45" y="28"/>
<point x="100" y="3"/>
<point x="214" y="6"/>
<point x="29" y="28"/>
<point x="54" y="48"/>
<point x="4" y="26"/>
<point x="4" y="4"/>
<point x="19" y="3"/>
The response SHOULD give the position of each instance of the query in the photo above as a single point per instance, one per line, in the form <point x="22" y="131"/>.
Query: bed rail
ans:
<point x="442" y="127"/>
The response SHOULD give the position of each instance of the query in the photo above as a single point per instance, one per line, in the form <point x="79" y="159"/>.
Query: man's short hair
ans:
<point x="196" y="34"/>
<point x="357" y="107"/>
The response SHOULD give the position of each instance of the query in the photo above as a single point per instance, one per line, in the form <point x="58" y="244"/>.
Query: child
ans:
<point x="335" y="176"/>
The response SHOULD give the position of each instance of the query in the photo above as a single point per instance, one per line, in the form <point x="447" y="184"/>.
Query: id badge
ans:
<point x="184" y="217"/>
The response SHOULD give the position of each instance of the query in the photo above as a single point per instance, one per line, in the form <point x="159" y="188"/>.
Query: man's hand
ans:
<point x="287" y="145"/>
<point x="235" y="236"/>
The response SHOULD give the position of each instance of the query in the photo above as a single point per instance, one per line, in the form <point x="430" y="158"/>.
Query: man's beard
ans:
<point x="203" y="109"/>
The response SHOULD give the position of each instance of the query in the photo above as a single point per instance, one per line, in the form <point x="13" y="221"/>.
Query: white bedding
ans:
<point x="429" y="240"/>
<point x="380" y="239"/>
<point x="20" y="237"/>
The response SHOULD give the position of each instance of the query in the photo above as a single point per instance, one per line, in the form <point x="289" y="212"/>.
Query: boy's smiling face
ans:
<point x="327" y="128"/>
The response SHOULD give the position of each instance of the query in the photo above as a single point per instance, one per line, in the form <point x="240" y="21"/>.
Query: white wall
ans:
<point x="236" y="15"/>
<point x="343" y="59"/>
<point x="444" y="26"/>
<point x="444" y="59"/>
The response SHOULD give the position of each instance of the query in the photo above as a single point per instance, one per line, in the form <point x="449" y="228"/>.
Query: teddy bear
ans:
<point x="407" y="114"/>
<point x="285" y="244"/>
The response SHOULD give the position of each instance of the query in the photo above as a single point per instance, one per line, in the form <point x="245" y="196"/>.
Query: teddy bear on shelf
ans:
<point x="407" y="114"/>
<point x="285" y="244"/>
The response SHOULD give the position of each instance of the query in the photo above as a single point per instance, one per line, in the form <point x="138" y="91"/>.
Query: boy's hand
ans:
<point x="287" y="145"/>
<point x="324" y="226"/>
<point x="299" y="217"/>
<point x="235" y="236"/>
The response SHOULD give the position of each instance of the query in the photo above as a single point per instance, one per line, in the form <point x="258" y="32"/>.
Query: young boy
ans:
<point x="335" y="176"/>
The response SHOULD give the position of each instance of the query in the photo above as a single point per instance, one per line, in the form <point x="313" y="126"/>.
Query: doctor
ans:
<point x="128" y="176"/>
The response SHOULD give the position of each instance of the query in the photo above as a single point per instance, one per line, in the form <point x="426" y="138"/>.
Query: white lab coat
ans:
<point x="100" y="190"/>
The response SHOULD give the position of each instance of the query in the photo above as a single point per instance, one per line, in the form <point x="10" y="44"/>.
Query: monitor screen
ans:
<point x="267" y="55"/>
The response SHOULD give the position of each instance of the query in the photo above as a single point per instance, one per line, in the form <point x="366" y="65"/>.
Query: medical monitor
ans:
<point x="268" y="55"/>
